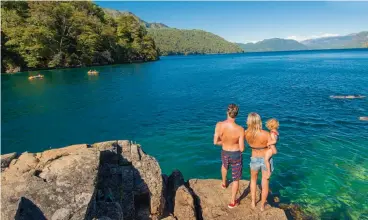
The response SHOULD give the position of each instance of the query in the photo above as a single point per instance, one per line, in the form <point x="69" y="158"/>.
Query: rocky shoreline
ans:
<point x="113" y="180"/>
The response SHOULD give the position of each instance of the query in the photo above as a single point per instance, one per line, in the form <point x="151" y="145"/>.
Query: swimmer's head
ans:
<point x="232" y="110"/>
<point x="272" y="124"/>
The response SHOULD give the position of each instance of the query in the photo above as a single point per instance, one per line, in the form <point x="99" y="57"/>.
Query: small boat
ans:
<point x="39" y="76"/>
<point x="92" y="72"/>
<point x="347" y="97"/>
<point x="363" y="118"/>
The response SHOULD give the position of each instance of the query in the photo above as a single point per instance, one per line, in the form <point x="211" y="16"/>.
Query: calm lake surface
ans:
<point x="171" y="107"/>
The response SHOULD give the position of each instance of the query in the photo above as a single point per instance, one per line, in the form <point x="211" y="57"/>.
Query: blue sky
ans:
<point x="254" y="21"/>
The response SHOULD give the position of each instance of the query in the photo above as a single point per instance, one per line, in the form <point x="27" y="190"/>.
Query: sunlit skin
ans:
<point x="273" y="126"/>
<point x="259" y="141"/>
<point x="230" y="136"/>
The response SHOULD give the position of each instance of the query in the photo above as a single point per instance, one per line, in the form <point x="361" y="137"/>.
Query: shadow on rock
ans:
<point x="129" y="184"/>
<point x="27" y="210"/>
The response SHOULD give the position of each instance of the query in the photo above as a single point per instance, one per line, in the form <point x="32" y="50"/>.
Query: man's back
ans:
<point x="231" y="137"/>
<point x="230" y="134"/>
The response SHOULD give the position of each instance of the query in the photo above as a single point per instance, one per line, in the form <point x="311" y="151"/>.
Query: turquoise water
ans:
<point x="171" y="106"/>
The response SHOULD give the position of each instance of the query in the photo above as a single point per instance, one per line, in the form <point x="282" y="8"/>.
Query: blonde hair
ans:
<point x="254" y="124"/>
<point x="272" y="124"/>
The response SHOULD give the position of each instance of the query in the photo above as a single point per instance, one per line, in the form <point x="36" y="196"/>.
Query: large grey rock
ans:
<point x="148" y="180"/>
<point x="55" y="183"/>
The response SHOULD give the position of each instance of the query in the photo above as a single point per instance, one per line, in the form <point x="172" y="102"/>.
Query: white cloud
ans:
<point x="301" y="38"/>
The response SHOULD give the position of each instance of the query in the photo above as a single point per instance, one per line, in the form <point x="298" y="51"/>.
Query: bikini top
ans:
<point x="259" y="148"/>
<point x="266" y="147"/>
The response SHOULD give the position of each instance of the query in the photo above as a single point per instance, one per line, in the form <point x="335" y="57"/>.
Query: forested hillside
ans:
<point x="69" y="34"/>
<point x="274" y="44"/>
<point x="171" y="41"/>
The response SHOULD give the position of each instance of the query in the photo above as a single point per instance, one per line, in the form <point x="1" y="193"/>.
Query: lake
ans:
<point x="171" y="107"/>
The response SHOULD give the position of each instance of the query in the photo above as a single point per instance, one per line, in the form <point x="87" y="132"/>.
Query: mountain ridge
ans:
<point x="115" y="13"/>
<point x="349" y="41"/>
<point x="273" y="44"/>
<point x="354" y="40"/>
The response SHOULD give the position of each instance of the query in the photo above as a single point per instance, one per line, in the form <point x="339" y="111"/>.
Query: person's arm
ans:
<point x="216" y="136"/>
<point x="241" y="141"/>
<point x="272" y="140"/>
<point x="272" y="143"/>
<point x="274" y="149"/>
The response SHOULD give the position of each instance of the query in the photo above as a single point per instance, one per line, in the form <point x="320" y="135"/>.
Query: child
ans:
<point x="273" y="126"/>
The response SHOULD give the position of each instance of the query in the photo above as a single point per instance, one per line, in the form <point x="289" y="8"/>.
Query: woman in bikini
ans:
<point x="257" y="139"/>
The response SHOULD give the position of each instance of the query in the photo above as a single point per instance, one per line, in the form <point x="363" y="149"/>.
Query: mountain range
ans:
<point x="273" y="44"/>
<point x="172" y="41"/>
<point x="357" y="40"/>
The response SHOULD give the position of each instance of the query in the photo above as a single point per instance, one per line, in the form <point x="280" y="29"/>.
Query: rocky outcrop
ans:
<point x="184" y="204"/>
<point x="60" y="186"/>
<point x="111" y="180"/>
<point x="213" y="201"/>
<point x="6" y="159"/>
<point x="14" y="69"/>
<point x="180" y="200"/>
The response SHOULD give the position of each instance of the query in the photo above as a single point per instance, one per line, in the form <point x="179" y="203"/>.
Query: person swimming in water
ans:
<point x="273" y="126"/>
<point x="230" y="136"/>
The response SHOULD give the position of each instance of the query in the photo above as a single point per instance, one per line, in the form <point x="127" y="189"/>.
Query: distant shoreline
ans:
<point x="204" y="54"/>
<point x="342" y="49"/>
<point x="276" y="51"/>
<point x="76" y="67"/>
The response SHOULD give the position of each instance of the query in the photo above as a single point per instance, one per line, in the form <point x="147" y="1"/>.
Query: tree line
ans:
<point x="171" y="41"/>
<point x="69" y="34"/>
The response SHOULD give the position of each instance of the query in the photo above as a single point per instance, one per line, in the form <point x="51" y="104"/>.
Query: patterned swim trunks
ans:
<point x="235" y="159"/>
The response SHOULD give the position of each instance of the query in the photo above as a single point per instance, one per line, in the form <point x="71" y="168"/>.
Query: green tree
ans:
<point x="171" y="41"/>
<point x="62" y="34"/>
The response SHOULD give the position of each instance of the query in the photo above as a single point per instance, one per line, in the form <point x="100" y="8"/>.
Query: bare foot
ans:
<point x="224" y="185"/>
<point x="268" y="174"/>
<point x="253" y="205"/>
<point x="262" y="207"/>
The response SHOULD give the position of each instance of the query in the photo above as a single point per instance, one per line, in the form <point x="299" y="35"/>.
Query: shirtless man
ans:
<point x="231" y="137"/>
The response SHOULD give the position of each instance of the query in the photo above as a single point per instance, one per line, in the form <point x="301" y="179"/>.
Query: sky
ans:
<point x="245" y="22"/>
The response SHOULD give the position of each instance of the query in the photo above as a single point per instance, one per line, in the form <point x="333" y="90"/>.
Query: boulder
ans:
<point x="113" y="179"/>
<point x="174" y="181"/>
<point x="6" y="159"/>
<point x="25" y="162"/>
<point x="148" y="179"/>
<point x="57" y="189"/>
<point x="184" y="204"/>
<point x="213" y="201"/>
